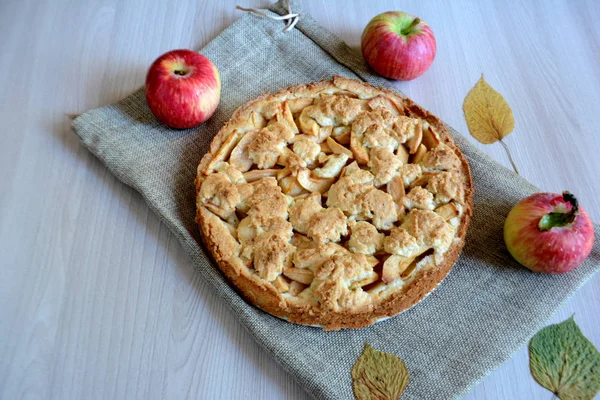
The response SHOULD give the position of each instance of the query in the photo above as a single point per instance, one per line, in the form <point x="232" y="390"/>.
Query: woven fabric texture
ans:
<point x="486" y="308"/>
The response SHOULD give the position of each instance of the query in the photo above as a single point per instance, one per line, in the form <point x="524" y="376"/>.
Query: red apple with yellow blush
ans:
<point x="398" y="45"/>
<point x="549" y="233"/>
<point x="183" y="88"/>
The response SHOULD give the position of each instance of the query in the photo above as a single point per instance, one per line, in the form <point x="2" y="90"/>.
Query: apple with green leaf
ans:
<point x="549" y="233"/>
<point x="183" y="88"/>
<point x="398" y="45"/>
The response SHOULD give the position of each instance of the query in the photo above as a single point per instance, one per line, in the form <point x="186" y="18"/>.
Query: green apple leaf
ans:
<point x="565" y="362"/>
<point x="378" y="376"/>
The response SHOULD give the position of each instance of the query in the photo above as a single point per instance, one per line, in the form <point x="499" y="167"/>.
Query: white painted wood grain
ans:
<point x="97" y="300"/>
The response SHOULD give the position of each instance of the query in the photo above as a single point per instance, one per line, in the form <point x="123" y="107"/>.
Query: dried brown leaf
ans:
<point x="378" y="376"/>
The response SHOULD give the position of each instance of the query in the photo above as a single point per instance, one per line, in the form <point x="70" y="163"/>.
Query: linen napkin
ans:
<point x="487" y="307"/>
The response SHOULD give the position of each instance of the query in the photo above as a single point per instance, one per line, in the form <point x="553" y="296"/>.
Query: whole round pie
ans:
<point x="333" y="204"/>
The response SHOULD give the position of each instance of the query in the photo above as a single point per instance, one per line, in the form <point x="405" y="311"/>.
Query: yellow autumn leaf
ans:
<point x="489" y="117"/>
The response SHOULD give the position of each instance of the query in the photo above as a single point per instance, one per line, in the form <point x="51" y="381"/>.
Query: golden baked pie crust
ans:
<point x="447" y="174"/>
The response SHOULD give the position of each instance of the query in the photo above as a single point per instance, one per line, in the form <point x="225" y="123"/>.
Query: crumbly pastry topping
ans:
<point x="334" y="203"/>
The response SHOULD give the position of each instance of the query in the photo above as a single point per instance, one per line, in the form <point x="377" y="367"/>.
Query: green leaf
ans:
<point x="565" y="362"/>
<point x="378" y="376"/>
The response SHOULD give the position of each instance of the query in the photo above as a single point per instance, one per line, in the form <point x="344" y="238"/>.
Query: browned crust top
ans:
<point x="263" y="294"/>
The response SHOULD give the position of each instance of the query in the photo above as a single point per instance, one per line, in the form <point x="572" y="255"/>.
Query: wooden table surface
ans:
<point x="97" y="299"/>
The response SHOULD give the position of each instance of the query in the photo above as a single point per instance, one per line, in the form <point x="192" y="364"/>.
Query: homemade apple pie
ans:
<point x="335" y="204"/>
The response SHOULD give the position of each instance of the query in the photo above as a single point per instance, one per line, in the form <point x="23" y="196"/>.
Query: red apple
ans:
<point x="549" y="233"/>
<point x="398" y="45"/>
<point x="183" y="88"/>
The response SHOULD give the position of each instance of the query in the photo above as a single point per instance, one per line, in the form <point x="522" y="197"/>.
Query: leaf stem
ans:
<point x="509" y="156"/>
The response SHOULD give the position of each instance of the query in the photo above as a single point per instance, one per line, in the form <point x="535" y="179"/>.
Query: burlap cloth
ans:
<point x="486" y="309"/>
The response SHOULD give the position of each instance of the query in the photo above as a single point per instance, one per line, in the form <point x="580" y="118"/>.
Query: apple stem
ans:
<point x="180" y="72"/>
<point x="409" y="28"/>
<point x="560" y="219"/>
